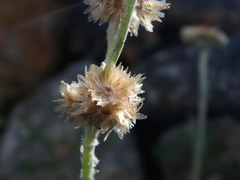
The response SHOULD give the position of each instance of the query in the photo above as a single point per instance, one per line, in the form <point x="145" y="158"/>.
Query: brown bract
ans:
<point x="107" y="102"/>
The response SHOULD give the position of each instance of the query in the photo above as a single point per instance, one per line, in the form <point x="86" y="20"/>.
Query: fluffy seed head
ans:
<point x="145" y="12"/>
<point x="107" y="102"/>
<point x="104" y="10"/>
<point x="112" y="11"/>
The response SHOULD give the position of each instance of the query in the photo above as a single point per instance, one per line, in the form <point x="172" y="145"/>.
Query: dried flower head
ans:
<point x="203" y="36"/>
<point x="104" y="10"/>
<point x="145" y="12"/>
<point x="107" y="102"/>
<point x="112" y="11"/>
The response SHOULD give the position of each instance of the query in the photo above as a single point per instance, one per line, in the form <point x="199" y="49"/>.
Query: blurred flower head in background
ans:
<point x="203" y="36"/>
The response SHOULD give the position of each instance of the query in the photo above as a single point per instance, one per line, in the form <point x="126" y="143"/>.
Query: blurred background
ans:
<point x="43" y="42"/>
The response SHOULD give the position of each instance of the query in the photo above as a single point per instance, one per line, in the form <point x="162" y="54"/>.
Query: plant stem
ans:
<point x="116" y="37"/>
<point x="89" y="160"/>
<point x="200" y="139"/>
<point x="117" y="34"/>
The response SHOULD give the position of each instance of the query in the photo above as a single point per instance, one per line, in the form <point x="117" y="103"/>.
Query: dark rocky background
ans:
<point x="43" y="42"/>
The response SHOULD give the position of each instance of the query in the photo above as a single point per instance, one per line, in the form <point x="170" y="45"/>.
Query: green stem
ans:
<point x="117" y="33"/>
<point x="89" y="160"/>
<point x="200" y="139"/>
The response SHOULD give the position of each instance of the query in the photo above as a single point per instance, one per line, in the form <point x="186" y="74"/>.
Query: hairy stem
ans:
<point x="89" y="160"/>
<point x="200" y="139"/>
<point x="117" y="34"/>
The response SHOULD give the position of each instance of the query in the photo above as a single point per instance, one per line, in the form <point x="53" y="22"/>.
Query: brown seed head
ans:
<point x="112" y="11"/>
<point x="104" y="10"/>
<point x="105" y="102"/>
